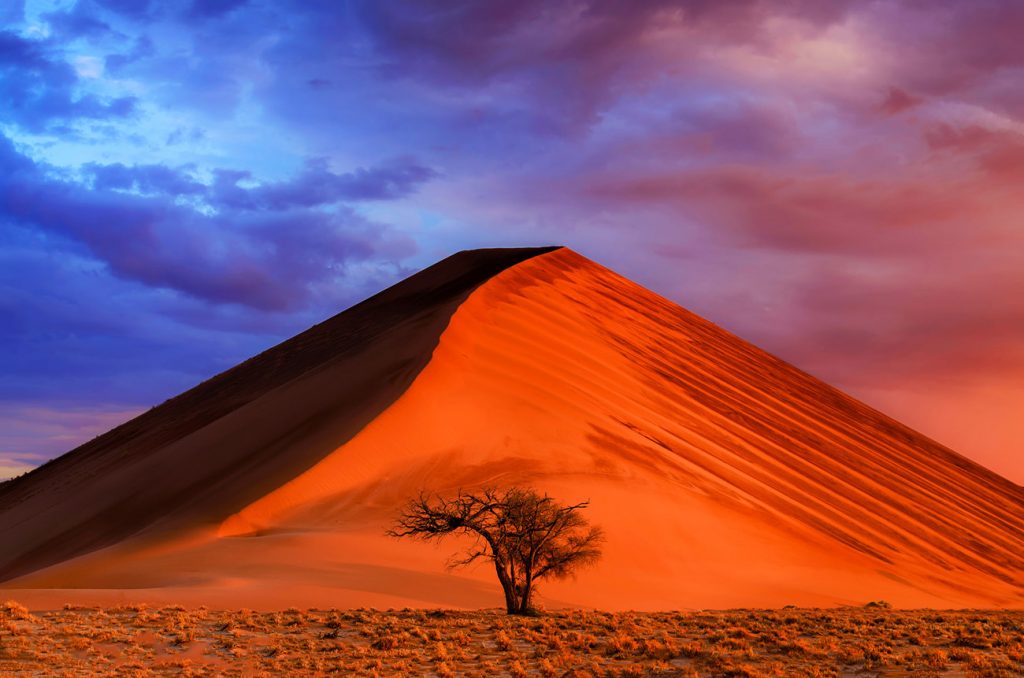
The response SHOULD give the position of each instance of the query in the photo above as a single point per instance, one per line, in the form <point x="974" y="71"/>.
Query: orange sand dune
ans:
<point x="722" y="476"/>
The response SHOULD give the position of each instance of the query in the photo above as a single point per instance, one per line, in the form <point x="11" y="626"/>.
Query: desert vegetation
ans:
<point x="526" y="535"/>
<point x="135" y="640"/>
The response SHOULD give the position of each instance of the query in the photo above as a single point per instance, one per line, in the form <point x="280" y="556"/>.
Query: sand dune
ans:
<point x="722" y="475"/>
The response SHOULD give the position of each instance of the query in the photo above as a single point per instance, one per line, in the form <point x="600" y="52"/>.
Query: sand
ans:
<point x="722" y="476"/>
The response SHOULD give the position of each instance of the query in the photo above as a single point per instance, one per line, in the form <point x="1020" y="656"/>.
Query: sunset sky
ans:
<point x="185" y="184"/>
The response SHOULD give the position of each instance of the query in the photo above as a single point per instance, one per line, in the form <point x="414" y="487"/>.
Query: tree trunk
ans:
<point x="511" y="604"/>
<point x="524" y="604"/>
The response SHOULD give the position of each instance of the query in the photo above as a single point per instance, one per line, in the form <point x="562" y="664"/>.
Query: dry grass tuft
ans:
<point x="133" y="640"/>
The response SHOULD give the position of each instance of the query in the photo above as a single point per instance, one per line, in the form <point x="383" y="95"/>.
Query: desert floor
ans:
<point x="869" y="641"/>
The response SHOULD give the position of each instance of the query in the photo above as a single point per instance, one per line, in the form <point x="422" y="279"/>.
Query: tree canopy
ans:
<point x="527" y="536"/>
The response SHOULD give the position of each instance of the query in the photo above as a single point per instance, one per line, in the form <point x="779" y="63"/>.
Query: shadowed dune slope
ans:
<point x="723" y="476"/>
<point x="230" y="440"/>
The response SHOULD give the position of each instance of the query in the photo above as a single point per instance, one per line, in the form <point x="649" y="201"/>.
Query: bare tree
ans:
<point x="528" y="536"/>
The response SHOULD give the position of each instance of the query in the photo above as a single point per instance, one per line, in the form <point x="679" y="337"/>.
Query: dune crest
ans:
<point x="723" y="476"/>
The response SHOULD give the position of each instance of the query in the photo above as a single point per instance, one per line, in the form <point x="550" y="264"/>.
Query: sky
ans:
<point x="183" y="184"/>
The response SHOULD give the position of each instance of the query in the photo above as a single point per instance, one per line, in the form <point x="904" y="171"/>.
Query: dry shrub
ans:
<point x="658" y="649"/>
<point x="385" y="642"/>
<point x="79" y="643"/>
<point x="850" y="655"/>
<point x="547" y="669"/>
<point x="578" y="640"/>
<point x="9" y="628"/>
<point x="741" y="644"/>
<point x="14" y="610"/>
<point x="518" y="670"/>
<point x="788" y="643"/>
<point x="976" y="640"/>
<point x="503" y="641"/>
<point x="936" y="659"/>
<point x="692" y="650"/>
<point x="622" y="645"/>
<point x="961" y="654"/>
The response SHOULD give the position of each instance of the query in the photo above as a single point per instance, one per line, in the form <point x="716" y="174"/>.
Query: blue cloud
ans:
<point x="37" y="89"/>
<point x="147" y="179"/>
<point x="214" y="8"/>
<point x="238" y="255"/>
<point x="318" y="185"/>
<point x="12" y="11"/>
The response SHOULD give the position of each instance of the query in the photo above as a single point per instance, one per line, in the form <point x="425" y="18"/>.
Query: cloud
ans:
<point x="565" y="64"/>
<point x="13" y="465"/>
<point x="913" y="321"/>
<point x="897" y="101"/>
<point x="75" y="335"/>
<point x="997" y="152"/>
<point x="149" y="179"/>
<point x="37" y="90"/>
<point x="141" y="49"/>
<point x="315" y="186"/>
<point x="181" y="135"/>
<point x="207" y="9"/>
<point x="318" y="185"/>
<point x="954" y="50"/>
<point x="266" y="261"/>
<point x="42" y="432"/>
<point x="131" y="8"/>
<point x="792" y="211"/>
<point x="77" y="21"/>
<point x="12" y="12"/>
